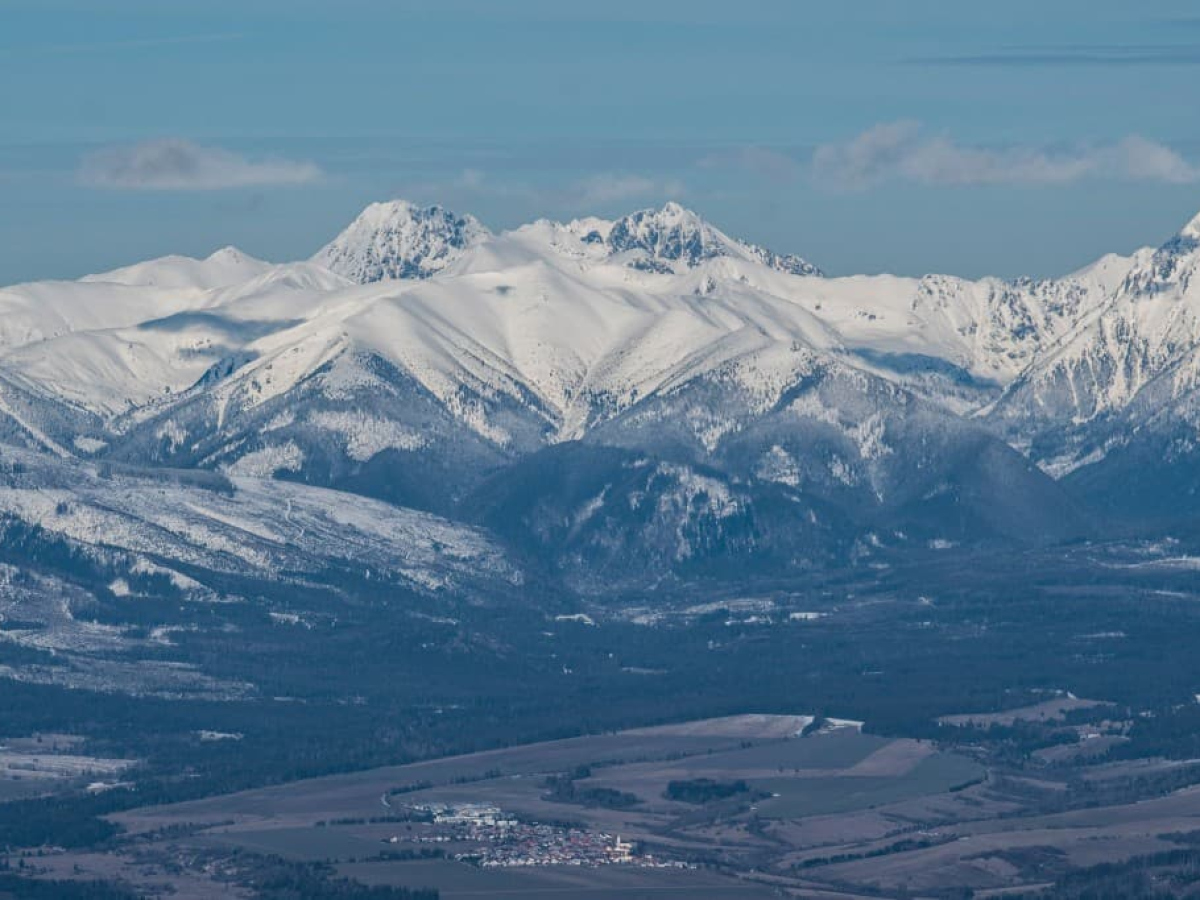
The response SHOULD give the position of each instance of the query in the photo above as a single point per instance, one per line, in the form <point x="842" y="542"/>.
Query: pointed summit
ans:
<point x="227" y="255"/>
<point x="665" y="239"/>
<point x="1190" y="231"/>
<point x="672" y="234"/>
<point x="224" y="267"/>
<point x="398" y="239"/>
<point x="1171" y="266"/>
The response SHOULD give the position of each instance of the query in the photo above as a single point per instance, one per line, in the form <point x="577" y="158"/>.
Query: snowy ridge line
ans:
<point x="550" y="331"/>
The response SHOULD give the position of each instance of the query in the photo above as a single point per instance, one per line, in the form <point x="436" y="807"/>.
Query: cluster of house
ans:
<point x="549" y="845"/>
<point x="500" y="840"/>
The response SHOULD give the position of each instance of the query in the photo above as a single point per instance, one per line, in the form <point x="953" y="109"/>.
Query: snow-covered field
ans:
<point x="261" y="527"/>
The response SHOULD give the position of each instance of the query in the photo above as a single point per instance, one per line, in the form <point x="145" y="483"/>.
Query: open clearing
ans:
<point x="354" y="821"/>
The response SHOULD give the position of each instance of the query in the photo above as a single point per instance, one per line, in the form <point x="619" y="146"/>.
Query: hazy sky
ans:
<point x="903" y="135"/>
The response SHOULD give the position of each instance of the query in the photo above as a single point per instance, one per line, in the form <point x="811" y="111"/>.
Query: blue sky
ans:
<point x="915" y="136"/>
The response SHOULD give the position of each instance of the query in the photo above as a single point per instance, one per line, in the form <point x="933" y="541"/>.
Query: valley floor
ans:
<point x="930" y="727"/>
<point x="821" y="810"/>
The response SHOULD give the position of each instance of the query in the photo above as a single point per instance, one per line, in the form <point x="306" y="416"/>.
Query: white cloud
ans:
<point x="174" y="164"/>
<point x="1146" y="160"/>
<point x="607" y="187"/>
<point x="901" y="151"/>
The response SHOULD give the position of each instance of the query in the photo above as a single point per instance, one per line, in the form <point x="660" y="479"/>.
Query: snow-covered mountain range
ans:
<point x="647" y="394"/>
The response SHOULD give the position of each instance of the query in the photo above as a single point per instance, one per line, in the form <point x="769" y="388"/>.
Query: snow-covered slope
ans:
<point x="671" y="238"/>
<point x="1130" y="355"/>
<point x="34" y="312"/>
<point x="134" y="365"/>
<point x="574" y="321"/>
<point x="735" y="391"/>
<point x="1151" y="326"/>
<point x="178" y="523"/>
<point x="1114" y="408"/>
<point x="226" y="266"/>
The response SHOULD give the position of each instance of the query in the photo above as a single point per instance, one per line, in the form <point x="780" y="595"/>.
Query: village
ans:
<point x="499" y="840"/>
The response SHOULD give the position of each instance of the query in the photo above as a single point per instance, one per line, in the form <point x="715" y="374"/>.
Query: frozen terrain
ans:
<point x="647" y="388"/>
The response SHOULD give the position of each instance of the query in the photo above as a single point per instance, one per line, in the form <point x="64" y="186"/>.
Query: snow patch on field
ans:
<point x="1062" y="466"/>
<point x="581" y="618"/>
<point x="474" y="416"/>
<point x="282" y="420"/>
<point x="264" y="528"/>
<point x="89" y="444"/>
<point x="590" y="508"/>
<point x="718" y="500"/>
<point x="268" y="461"/>
<point x="842" y="471"/>
<point x="809" y="406"/>
<point x="171" y="432"/>
<point x="868" y="435"/>
<point x="348" y="375"/>
<point x="779" y="466"/>
<point x="366" y="436"/>
<point x="178" y="580"/>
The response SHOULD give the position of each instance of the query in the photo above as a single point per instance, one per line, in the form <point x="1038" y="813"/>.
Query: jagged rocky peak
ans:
<point x="1171" y="267"/>
<point x="1184" y="243"/>
<point x="1191" y="230"/>
<point x="783" y="262"/>
<point x="399" y="239"/>
<point x="658" y="238"/>
<point x="668" y="233"/>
